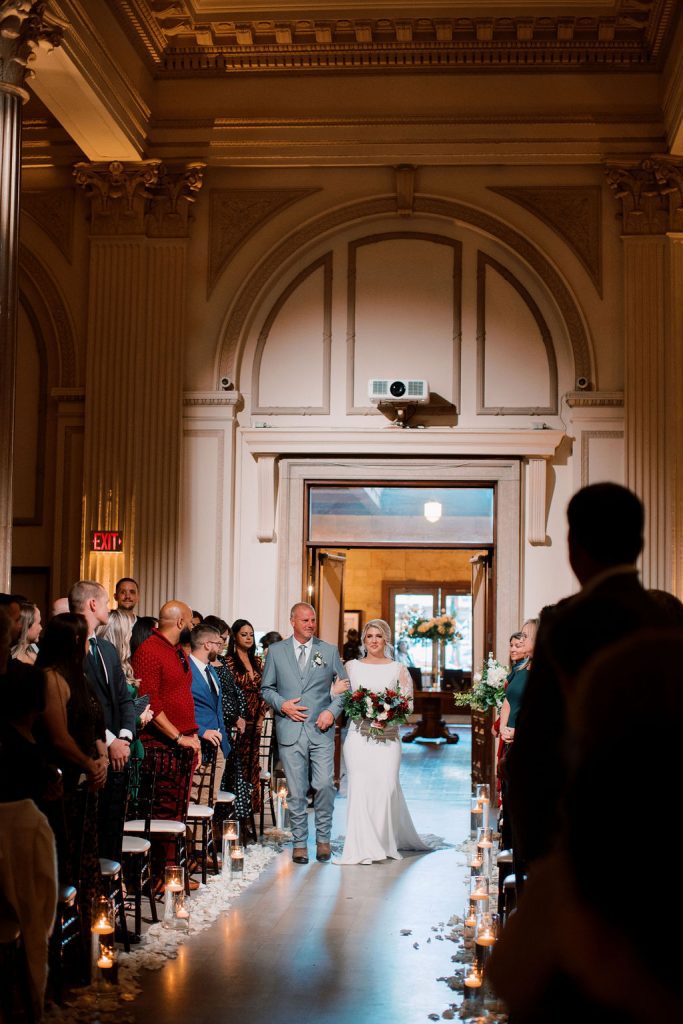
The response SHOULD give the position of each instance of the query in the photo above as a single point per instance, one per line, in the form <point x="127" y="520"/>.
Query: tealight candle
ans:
<point x="485" y="936"/>
<point x="237" y="862"/>
<point x="104" y="961"/>
<point x="472" y="985"/>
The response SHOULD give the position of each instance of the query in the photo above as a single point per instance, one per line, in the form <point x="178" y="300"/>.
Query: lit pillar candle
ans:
<point x="484" y="795"/>
<point x="231" y="838"/>
<point x="237" y="863"/>
<point x="476" y="815"/>
<point x="176" y="913"/>
<point x="472" y="986"/>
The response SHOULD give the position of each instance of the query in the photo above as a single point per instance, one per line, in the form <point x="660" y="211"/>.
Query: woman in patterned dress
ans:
<point x="247" y="669"/>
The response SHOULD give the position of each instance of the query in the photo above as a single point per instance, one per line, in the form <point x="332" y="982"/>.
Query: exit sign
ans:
<point x="106" y="540"/>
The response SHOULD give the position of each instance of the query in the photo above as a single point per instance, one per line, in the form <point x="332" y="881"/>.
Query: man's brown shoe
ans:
<point x="323" y="852"/>
<point x="300" y="855"/>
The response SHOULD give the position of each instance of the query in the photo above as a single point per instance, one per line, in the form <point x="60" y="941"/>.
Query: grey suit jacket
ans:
<point x="282" y="681"/>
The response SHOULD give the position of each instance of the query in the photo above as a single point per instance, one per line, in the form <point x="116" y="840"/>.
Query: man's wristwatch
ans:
<point x="176" y="738"/>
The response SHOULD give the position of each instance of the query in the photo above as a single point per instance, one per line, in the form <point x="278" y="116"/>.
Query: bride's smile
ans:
<point x="374" y="644"/>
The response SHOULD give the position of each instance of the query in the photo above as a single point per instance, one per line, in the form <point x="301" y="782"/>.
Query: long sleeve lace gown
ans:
<point x="378" y="821"/>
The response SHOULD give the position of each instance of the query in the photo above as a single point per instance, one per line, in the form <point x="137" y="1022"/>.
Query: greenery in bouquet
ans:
<point x="389" y="707"/>
<point x="442" y="627"/>
<point x="488" y="689"/>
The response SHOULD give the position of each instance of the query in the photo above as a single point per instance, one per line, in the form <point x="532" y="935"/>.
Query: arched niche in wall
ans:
<point x="291" y="369"/>
<point x="515" y="353"/>
<point x="404" y="298"/>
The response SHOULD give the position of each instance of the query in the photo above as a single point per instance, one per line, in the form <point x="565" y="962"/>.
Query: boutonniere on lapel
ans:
<point x="319" y="661"/>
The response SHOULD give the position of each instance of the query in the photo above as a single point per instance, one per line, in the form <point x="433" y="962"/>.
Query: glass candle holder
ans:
<point x="479" y="893"/>
<point x="485" y="847"/>
<point x="476" y="862"/>
<point x="484" y="794"/>
<point x="281" y="813"/>
<point x="176" y="909"/>
<point x="485" y="938"/>
<point x="468" y="925"/>
<point x="476" y="817"/>
<point x="231" y="839"/>
<point x="472" y="986"/>
<point x="104" y="956"/>
<point x="236" y="863"/>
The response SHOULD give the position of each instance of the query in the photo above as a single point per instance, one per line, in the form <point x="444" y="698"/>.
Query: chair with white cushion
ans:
<point x="200" y="813"/>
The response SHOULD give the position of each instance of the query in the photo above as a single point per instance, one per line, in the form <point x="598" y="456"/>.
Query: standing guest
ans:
<point x="235" y="718"/>
<point x="166" y="678"/>
<point x="142" y="629"/>
<point x="24" y="770"/>
<point x="60" y="606"/>
<point x="273" y="637"/>
<point x="74" y="727"/>
<point x="4" y="640"/>
<point x="403" y="655"/>
<point x="605" y="538"/>
<point x="12" y="604"/>
<point x="118" y="632"/>
<point x="127" y="596"/>
<point x="521" y="653"/>
<point x="197" y="618"/>
<point x="247" y="670"/>
<point x="351" y="648"/>
<point x="26" y="649"/>
<point x="104" y="672"/>
<point x="208" y="698"/>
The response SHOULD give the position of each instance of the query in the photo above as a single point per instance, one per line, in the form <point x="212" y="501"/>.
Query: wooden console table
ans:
<point x="431" y="705"/>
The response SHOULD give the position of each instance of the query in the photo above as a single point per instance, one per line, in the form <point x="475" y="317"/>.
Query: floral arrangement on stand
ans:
<point x="488" y="690"/>
<point x="377" y="710"/>
<point x="442" y="627"/>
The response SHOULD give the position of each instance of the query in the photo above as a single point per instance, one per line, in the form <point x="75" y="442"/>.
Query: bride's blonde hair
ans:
<point x="385" y="630"/>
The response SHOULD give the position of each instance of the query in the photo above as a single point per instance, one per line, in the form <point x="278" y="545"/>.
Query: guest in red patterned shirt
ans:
<point x="165" y="676"/>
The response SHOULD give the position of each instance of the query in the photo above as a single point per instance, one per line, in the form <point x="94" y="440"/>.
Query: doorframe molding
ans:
<point x="505" y="474"/>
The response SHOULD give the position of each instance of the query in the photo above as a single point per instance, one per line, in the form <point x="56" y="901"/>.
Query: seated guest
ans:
<point x="127" y="596"/>
<point x="234" y="717"/>
<point x="26" y="648"/>
<point x="142" y="629"/>
<point x="208" y="700"/>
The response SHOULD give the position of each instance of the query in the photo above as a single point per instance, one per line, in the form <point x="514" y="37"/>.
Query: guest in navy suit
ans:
<point x="206" y="642"/>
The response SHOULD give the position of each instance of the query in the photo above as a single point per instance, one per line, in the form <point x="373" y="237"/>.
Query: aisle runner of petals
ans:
<point x="159" y="944"/>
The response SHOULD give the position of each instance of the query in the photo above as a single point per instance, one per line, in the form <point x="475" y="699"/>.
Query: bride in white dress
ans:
<point x="378" y="821"/>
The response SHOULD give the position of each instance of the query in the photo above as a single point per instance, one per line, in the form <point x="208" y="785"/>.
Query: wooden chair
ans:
<point x="200" y="813"/>
<point x="65" y="950"/>
<point x="266" y="756"/>
<point x="136" y="853"/>
<point x="161" y="801"/>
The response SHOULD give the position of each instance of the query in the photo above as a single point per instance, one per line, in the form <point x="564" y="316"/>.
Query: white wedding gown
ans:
<point x="378" y="821"/>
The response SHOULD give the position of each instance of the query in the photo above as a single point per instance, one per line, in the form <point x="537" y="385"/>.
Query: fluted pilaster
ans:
<point x="22" y="27"/>
<point x="674" y="414"/>
<point x="134" y="401"/>
<point x="645" y="339"/>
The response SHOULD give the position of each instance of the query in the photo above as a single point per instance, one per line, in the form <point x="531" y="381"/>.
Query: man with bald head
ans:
<point x="166" y="678"/>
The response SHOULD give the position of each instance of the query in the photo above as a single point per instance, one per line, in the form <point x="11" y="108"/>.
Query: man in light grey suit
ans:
<point x="297" y="683"/>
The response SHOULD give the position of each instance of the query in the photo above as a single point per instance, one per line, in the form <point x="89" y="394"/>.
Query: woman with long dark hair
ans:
<point x="73" y="724"/>
<point x="247" y="670"/>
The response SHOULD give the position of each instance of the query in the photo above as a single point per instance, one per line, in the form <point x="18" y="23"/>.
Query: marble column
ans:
<point x="23" y="26"/>
<point x="140" y="220"/>
<point x="651" y="199"/>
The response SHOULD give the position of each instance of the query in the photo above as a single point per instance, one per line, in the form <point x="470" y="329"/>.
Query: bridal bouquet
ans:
<point x="376" y="711"/>
<point x="443" y="627"/>
<point x="488" y="690"/>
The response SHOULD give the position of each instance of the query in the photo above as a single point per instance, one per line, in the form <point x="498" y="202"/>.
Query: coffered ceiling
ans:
<point x="196" y="38"/>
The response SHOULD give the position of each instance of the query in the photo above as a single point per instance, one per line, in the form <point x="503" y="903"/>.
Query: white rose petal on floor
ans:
<point x="158" y="945"/>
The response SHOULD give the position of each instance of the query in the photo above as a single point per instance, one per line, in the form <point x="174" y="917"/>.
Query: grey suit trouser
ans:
<point x="319" y="753"/>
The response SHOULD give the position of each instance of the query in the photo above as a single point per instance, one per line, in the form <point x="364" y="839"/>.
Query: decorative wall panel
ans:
<point x="515" y="356"/>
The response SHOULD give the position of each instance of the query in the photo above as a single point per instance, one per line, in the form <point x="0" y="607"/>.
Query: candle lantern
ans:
<point x="485" y="937"/>
<point x="476" y="816"/>
<point x="176" y="909"/>
<point x="479" y="894"/>
<point x="484" y="794"/>
<point x="485" y="847"/>
<point x="236" y="864"/>
<point x="231" y="839"/>
<point x="472" y="987"/>
<point x="104" y="957"/>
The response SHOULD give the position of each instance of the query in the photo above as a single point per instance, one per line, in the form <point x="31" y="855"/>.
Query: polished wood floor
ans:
<point x="323" y="943"/>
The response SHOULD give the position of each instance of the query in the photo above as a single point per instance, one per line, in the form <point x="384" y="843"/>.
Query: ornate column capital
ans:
<point x="141" y="198"/>
<point x="650" y="194"/>
<point x="23" y="26"/>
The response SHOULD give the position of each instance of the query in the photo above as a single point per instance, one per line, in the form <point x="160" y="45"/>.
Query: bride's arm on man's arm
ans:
<point x="405" y="681"/>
